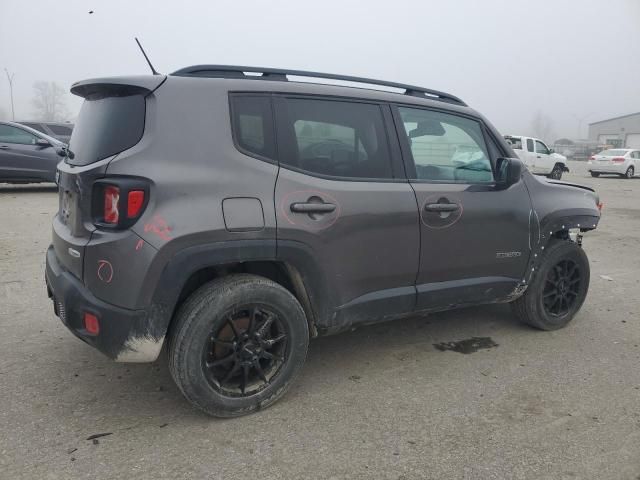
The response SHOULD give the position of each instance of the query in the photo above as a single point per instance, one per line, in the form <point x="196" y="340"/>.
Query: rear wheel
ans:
<point x="595" y="174"/>
<point x="558" y="289"/>
<point x="237" y="345"/>
<point x="556" y="173"/>
<point x="629" y="173"/>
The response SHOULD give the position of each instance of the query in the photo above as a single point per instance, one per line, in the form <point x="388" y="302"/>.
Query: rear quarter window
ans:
<point x="529" y="145"/>
<point x="107" y="126"/>
<point x="252" y="123"/>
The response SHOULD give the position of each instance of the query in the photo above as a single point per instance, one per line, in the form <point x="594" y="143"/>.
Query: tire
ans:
<point x="556" y="173"/>
<point x="533" y="307"/>
<point x="595" y="174"/>
<point x="629" y="173"/>
<point x="230" y="309"/>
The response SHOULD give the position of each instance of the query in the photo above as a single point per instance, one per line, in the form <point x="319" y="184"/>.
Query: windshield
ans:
<point x="105" y="127"/>
<point x="613" y="153"/>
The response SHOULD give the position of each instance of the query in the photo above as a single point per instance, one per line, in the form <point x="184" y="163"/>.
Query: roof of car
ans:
<point x="323" y="89"/>
<point x="280" y="74"/>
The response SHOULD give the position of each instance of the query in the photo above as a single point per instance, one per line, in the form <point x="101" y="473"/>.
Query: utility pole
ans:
<point x="10" y="79"/>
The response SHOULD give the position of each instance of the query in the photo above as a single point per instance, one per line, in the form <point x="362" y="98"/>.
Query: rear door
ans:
<point x="474" y="236"/>
<point x="341" y="193"/>
<point x="21" y="158"/>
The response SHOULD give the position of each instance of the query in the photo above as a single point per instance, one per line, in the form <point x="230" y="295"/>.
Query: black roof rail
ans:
<point x="236" y="71"/>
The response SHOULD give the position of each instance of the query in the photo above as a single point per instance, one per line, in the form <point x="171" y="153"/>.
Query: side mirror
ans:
<point x="551" y="150"/>
<point x="508" y="172"/>
<point x="41" y="142"/>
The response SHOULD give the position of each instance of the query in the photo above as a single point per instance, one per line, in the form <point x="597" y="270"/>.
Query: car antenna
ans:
<point x="153" y="70"/>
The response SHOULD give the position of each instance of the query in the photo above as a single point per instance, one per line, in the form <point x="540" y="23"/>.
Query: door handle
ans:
<point x="441" y="207"/>
<point x="4" y="147"/>
<point x="538" y="156"/>
<point x="311" y="207"/>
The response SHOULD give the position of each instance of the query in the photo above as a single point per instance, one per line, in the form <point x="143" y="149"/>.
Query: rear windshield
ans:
<point x="106" y="126"/>
<point x="613" y="153"/>
<point x="515" y="142"/>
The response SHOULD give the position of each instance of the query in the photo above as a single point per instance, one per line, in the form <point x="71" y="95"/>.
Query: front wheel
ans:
<point x="237" y="345"/>
<point x="559" y="288"/>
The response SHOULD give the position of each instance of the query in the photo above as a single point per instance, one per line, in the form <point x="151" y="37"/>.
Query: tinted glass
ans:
<point x="253" y="124"/>
<point x="446" y="147"/>
<point x="335" y="138"/>
<point x="529" y="145"/>
<point x="35" y="126"/>
<point x="541" y="148"/>
<point x="107" y="126"/>
<point x="9" y="134"/>
<point x="515" y="142"/>
<point x="60" y="129"/>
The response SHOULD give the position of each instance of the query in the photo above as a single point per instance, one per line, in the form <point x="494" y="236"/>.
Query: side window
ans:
<point x="60" y="129"/>
<point x="541" y="148"/>
<point x="35" y="126"/>
<point x="334" y="138"/>
<point x="9" y="134"/>
<point x="529" y="145"/>
<point x="252" y="123"/>
<point x="446" y="147"/>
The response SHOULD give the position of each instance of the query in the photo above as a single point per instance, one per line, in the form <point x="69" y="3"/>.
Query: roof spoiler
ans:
<point x="117" y="86"/>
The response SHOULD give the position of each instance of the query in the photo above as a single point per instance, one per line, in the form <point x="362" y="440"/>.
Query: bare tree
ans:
<point x="542" y="127"/>
<point x="49" y="101"/>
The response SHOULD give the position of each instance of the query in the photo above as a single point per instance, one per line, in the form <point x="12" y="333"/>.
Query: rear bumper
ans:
<point x="607" y="168"/>
<point x="124" y="334"/>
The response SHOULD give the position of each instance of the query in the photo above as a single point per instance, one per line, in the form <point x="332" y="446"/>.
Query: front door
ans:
<point x="341" y="194"/>
<point x="20" y="157"/>
<point x="474" y="236"/>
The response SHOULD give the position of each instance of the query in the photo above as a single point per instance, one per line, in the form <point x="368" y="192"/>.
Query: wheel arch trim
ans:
<point x="301" y="266"/>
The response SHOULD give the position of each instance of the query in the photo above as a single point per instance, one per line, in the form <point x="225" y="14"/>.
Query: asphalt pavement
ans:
<point x="381" y="402"/>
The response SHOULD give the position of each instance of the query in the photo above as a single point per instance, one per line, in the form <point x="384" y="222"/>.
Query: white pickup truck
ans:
<point x="538" y="158"/>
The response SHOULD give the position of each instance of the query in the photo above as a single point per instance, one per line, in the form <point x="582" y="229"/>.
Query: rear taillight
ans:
<point x="111" y="205"/>
<point x="592" y="157"/>
<point x="119" y="202"/>
<point x="135" y="201"/>
<point x="617" y="159"/>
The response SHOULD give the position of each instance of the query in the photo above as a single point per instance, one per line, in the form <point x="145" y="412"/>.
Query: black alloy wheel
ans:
<point x="247" y="352"/>
<point x="562" y="288"/>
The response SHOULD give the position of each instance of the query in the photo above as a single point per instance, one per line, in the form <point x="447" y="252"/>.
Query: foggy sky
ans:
<point x="507" y="59"/>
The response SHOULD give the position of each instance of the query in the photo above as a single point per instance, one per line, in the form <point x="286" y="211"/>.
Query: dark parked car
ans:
<point x="58" y="130"/>
<point x="27" y="155"/>
<point x="283" y="210"/>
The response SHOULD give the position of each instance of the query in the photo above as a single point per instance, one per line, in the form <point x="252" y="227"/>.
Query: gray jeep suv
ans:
<point x="233" y="214"/>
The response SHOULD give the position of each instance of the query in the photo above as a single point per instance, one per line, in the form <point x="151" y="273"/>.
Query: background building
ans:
<point x="621" y="131"/>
